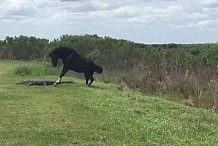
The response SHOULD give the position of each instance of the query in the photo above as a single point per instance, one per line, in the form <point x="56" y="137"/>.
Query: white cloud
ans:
<point x="211" y="4"/>
<point x="19" y="9"/>
<point x="149" y="14"/>
<point x="199" y="24"/>
<point x="205" y="23"/>
<point x="198" y="16"/>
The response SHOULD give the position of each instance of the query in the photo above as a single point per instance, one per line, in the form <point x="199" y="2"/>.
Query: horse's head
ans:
<point x="98" y="69"/>
<point x="54" y="59"/>
<point x="63" y="53"/>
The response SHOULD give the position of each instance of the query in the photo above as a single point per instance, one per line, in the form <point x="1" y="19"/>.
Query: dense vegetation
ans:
<point x="188" y="71"/>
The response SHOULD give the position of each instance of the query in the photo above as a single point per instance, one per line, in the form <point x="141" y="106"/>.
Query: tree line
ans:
<point x="121" y="53"/>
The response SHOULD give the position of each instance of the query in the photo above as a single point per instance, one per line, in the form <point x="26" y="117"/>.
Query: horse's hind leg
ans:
<point x="62" y="74"/>
<point x="92" y="79"/>
<point x="89" y="77"/>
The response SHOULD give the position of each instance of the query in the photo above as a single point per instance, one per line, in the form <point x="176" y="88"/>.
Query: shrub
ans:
<point x="37" y="69"/>
<point x="23" y="70"/>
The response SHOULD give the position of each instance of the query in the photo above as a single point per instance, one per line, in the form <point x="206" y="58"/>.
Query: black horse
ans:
<point x="73" y="61"/>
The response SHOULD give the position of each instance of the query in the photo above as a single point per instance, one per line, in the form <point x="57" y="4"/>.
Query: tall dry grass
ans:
<point x="196" y="85"/>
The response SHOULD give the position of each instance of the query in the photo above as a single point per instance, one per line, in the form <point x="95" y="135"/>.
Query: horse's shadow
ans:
<point x="81" y="85"/>
<point x="51" y="83"/>
<point x="65" y="82"/>
<point x="96" y="87"/>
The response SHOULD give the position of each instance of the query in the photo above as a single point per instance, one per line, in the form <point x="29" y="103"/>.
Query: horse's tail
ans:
<point x="95" y="67"/>
<point x="98" y="69"/>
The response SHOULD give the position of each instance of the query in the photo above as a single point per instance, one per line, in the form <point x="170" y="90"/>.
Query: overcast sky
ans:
<point x="145" y="21"/>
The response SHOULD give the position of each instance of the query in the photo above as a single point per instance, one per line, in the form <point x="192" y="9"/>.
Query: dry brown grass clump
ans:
<point x="193" y="86"/>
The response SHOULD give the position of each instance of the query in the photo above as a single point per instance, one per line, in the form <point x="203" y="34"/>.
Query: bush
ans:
<point x="23" y="70"/>
<point x="37" y="69"/>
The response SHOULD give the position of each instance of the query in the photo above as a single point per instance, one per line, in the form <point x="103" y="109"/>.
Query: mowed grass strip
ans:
<point x="74" y="114"/>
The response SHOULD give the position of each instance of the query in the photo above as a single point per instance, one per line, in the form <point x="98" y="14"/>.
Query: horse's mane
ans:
<point x="65" y="51"/>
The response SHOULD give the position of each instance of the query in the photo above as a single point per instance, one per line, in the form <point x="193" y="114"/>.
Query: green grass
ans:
<point x="73" y="114"/>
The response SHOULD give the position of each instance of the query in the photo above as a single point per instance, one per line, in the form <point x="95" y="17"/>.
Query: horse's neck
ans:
<point x="64" y="57"/>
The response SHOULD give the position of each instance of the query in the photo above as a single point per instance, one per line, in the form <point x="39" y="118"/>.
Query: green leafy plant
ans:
<point x="23" y="70"/>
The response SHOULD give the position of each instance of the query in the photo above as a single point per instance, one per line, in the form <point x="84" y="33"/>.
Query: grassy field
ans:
<point x="104" y="114"/>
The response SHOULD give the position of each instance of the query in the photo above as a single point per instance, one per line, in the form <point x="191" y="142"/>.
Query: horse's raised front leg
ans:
<point x="64" y="71"/>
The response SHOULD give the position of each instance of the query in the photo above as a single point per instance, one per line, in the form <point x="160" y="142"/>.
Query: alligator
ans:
<point x="39" y="82"/>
